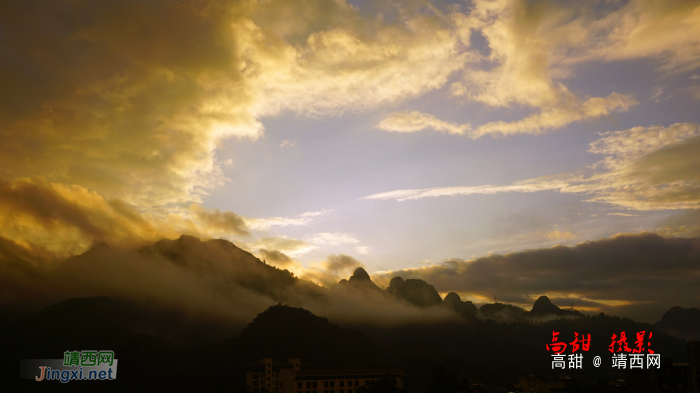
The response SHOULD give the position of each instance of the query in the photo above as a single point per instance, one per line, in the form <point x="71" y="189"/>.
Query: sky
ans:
<point x="406" y="135"/>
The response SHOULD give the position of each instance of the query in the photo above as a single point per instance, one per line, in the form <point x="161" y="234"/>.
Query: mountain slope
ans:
<point x="464" y="309"/>
<point x="681" y="322"/>
<point x="283" y="332"/>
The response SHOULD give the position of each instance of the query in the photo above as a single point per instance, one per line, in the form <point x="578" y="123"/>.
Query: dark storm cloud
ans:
<point x="639" y="274"/>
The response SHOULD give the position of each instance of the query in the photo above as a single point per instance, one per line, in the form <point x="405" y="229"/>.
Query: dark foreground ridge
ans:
<point x="485" y="352"/>
<point x="283" y="332"/>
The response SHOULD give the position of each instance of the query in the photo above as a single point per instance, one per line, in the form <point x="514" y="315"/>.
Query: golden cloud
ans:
<point x="288" y="245"/>
<point x="120" y="106"/>
<point x="534" y="46"/>
<point x="226" y="222"/>
<point x="559" y="116"/>
<point x="130" y="100"/>
<point x="53" y="220"/>
<point x="558" y="235"/>
<point x="417" y="121"/>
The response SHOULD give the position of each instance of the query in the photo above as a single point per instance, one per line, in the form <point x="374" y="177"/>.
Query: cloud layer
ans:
<point x="636" y="275"/>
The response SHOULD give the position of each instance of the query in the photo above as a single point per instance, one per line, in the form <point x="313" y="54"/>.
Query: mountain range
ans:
<point x="198" y="309"/>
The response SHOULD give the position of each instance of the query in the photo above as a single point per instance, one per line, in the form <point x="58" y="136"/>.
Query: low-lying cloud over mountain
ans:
<point x="631" y="275"/>
<point x="211" y="279"/>
<point x="636" y="275"/>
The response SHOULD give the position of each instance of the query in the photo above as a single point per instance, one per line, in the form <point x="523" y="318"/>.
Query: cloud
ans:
<point x="207" y="279"/>
<point x="559" y="116"/>
<point x="694" y="92"/>
<point x="262" y="224"/>
<point x="559" y="235"/>
<point x="339" y="62"/>
<point x="645" y="168"/>
<point x="211" y="282"/>
<point x="659" y="94"/>
<point x="530" y="39"/>
<point x="53" y="220"/>
<point x="330" y="271"/>
<point x="648" y="168"/>
<point x="364" y="250"/>
<point x="534" y="47"/>
<point x="547" y="119"/>
<point x="131" y="101"/>
<point x="526" y="42"/>
<point x="403" y="195"/>
<point x="640" y="271"/>
<point x="686" y="224"/>
<point x="332" y="238"/>
<point x="342" y="263"/>
<point x="290" y="246"/>
<point x="227" y="222"/>
<point x="416" y="121"/>
<point x="129" y="115"/>
<point x="666" y="32"/>
<point x="288" y="144"/>
<point x="275" y="257"/>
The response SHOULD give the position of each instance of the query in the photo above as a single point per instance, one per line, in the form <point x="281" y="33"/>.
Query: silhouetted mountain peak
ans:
<point x="544" y="306"/>
<point x="678" y="313"/>
<point x="682" y="322"/>
<point x="681" y="317"/>
<point x="360" y="274"/>
<point x="193" y="252"/>
<point x="94" y="259"/>
<point x="464" y="309"/>
<point x="292" y="315"/>
<point x="306" y="336"/>
<point x="188" y="240"/>
<point x="452" y="298"/>
<point x="417" y="292"/>
<point x="229" y="263"/>
<point x="360" y="279"/>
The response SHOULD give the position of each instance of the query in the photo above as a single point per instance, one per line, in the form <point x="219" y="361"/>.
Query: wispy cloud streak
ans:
<point x="645" y="168"/>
